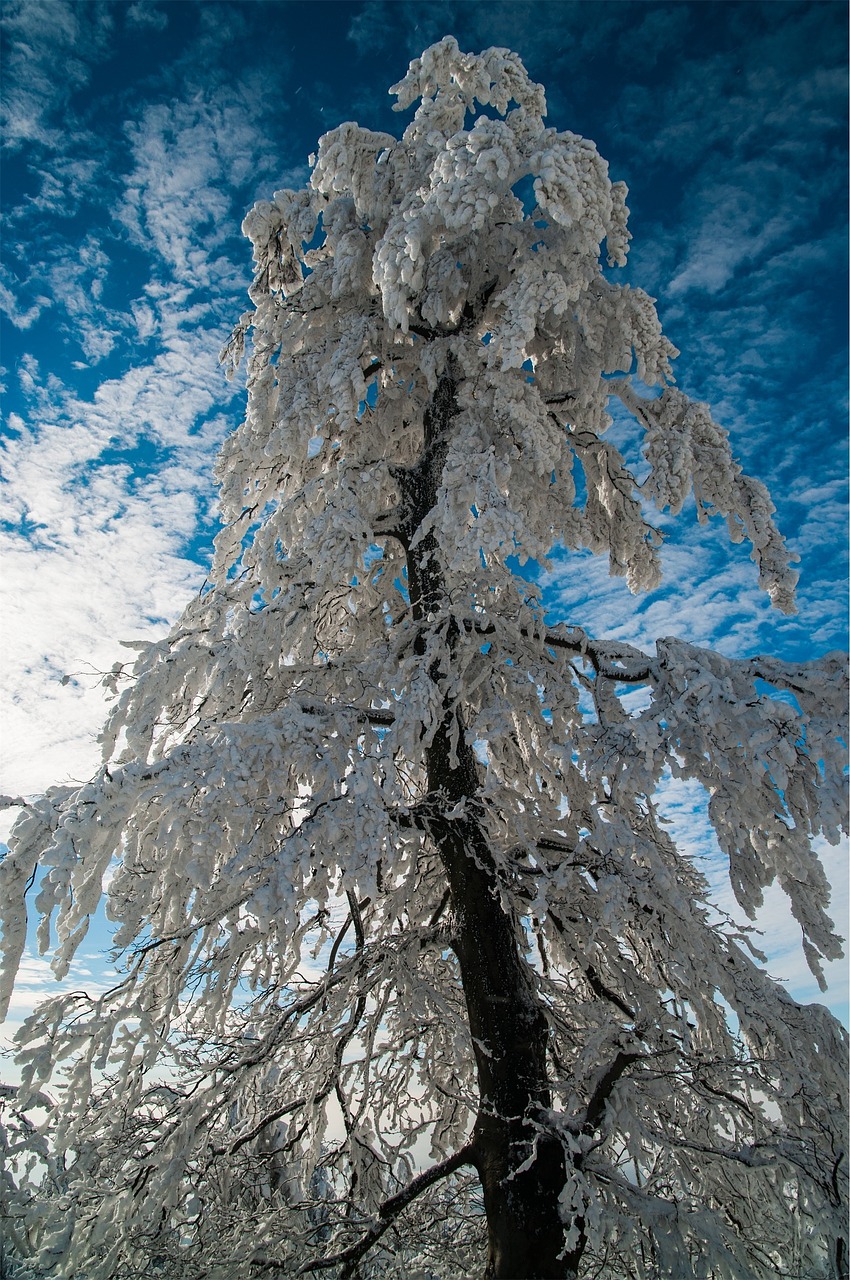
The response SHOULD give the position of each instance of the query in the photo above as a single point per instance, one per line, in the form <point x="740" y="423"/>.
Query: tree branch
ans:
<point x="387" y="1214"/>
<point x="356" y="917"/>
<point x="258" y="1128"/>
<point x="622" y="663"/>
<point x="602" y="657"/>
<point x="602" y="1092"/>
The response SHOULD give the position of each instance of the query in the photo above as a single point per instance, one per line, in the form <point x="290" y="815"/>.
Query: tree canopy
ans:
<point x="413" y="979"/>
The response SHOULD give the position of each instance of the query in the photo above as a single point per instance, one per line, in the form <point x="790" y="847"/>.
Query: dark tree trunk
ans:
<point x="506" y="1020"/>
<point x="509" y="1035"/>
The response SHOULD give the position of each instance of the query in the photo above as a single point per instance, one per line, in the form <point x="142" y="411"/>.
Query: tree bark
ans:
<point x="521" y="1165"/>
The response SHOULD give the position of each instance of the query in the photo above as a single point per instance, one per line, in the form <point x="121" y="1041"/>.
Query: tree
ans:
<point x="413" y="976"/>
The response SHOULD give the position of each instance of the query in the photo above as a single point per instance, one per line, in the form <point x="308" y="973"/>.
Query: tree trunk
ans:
<point x="509" y="1036"/>
<point x="522" y="1168"/>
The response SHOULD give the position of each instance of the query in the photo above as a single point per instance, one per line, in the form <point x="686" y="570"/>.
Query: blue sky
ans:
<point x="138" y="134"/>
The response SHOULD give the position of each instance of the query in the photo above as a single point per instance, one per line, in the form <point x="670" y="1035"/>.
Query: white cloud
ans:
<point x="94" y="553"/>
<point x="144" y="319"/>
<point x="52" y="47"/>
<point x="177" y="198"/>
<point x="64" y="611"/>
<point x="146" y="16"/>
<point x="733" y="222"/>
<point x="104" y="493"/>
<point x="21" y="318"/>
<point x="709" y="594"/>
<point x="65" y="180"/>
<point x="69" y="281"/>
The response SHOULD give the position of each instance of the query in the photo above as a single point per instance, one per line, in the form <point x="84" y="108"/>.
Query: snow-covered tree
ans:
<point x="413" y="979"/>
